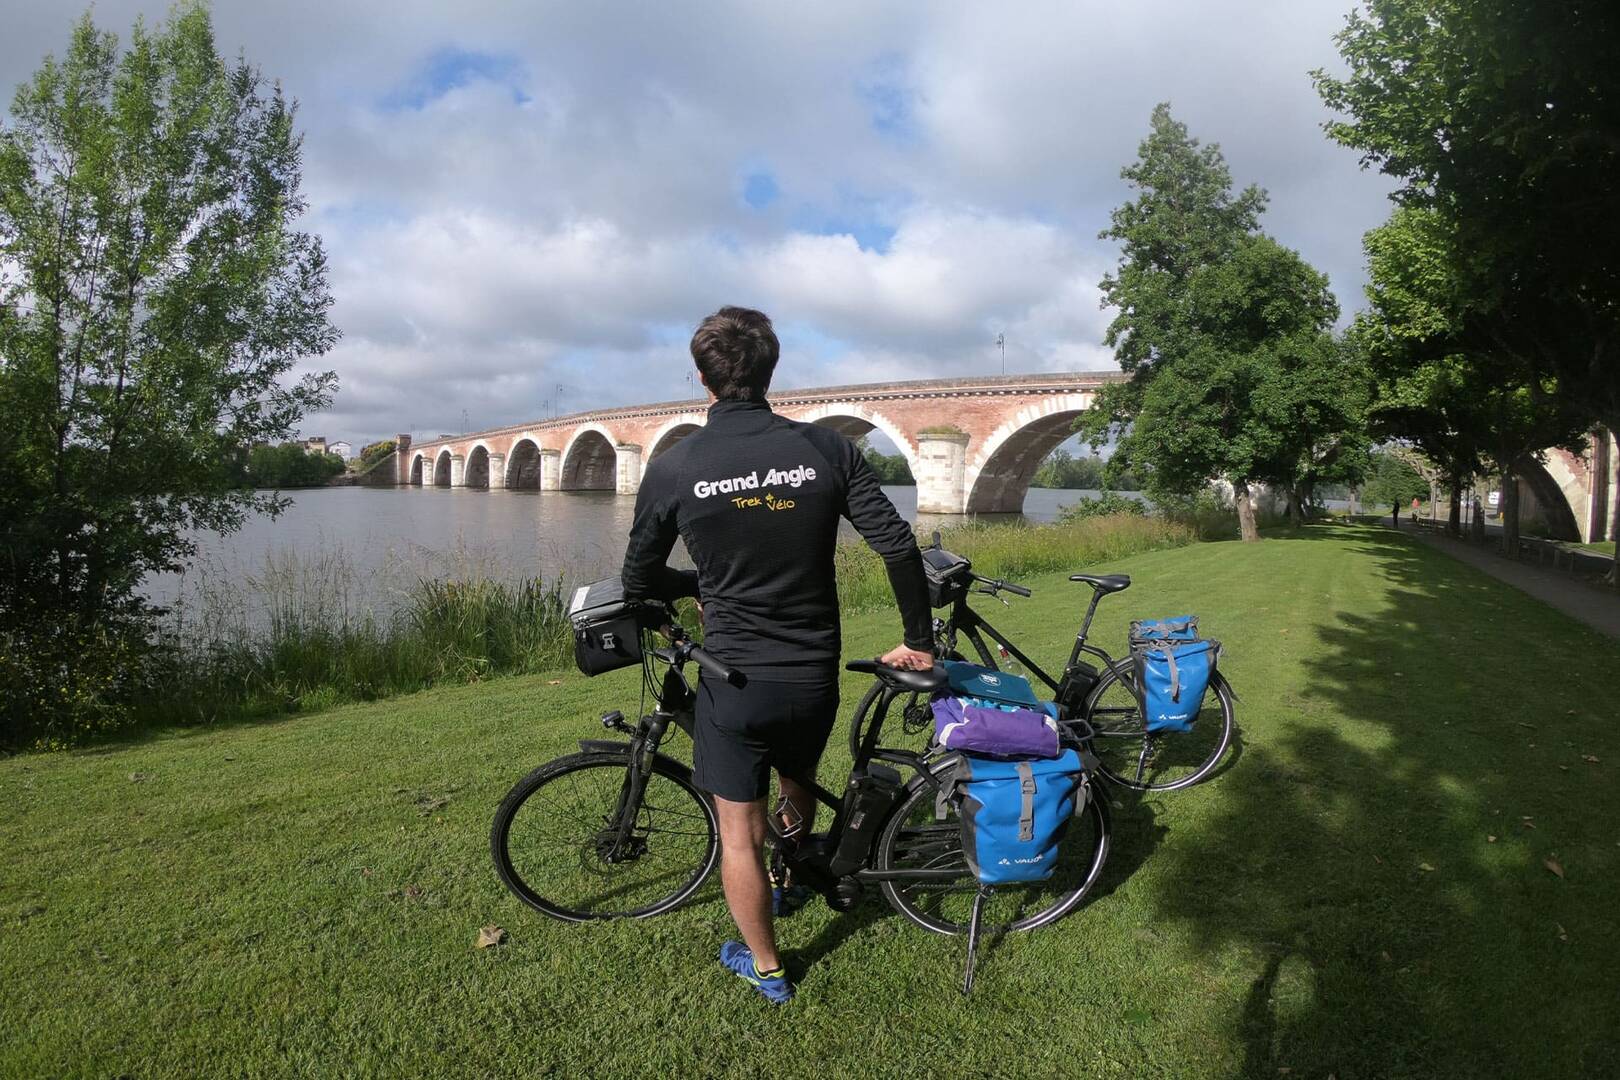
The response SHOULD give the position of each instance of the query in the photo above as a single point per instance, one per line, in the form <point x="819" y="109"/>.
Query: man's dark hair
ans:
<point x="736" y="350"/>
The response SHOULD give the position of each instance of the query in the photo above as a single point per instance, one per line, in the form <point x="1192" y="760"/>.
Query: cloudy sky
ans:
<point x="518" y="197"/>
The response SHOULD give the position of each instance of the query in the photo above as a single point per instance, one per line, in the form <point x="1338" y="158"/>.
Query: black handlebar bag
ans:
<point x="607" y="628"/>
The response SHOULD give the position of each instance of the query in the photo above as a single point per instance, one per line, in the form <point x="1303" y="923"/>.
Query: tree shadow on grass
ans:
<point x="1378" y="860"/>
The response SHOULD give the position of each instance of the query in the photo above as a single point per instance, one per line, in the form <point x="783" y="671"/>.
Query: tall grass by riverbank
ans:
<point x="307" y="633"/>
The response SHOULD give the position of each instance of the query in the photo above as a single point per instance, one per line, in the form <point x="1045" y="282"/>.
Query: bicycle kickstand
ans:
<point x="973" y="936"/>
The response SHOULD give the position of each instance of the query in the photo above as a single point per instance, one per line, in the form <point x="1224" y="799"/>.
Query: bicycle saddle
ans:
<point x="921" y="681"/>
<point x="1104" y="583"/>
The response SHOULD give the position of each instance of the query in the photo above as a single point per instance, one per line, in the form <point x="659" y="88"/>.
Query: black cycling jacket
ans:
<point x="757" y="498"/>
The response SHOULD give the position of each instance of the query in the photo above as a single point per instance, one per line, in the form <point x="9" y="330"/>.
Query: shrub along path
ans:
<point x="1409" y="871"/>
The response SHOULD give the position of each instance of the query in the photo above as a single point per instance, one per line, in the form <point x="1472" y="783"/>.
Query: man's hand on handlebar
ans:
<point x="907" y="659"/>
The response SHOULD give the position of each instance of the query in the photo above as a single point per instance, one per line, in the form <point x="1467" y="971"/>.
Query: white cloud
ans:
<point x="565" y="207"/>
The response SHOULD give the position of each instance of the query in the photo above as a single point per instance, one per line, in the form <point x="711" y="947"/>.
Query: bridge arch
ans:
<point x="1008" y="459"/>
<point x="414" y="476"/>
<point x="475" y="473"/>
<point x="589" y="462"/>
<point x="523" y="463"/>
<point x="856" y="421"/>
<point x="441" y="468"/>
<point x="673" y="432"/>
<point x="1549" y="488"/>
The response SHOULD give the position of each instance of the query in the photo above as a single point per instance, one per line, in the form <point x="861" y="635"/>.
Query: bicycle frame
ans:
<point x="975" y="627"/>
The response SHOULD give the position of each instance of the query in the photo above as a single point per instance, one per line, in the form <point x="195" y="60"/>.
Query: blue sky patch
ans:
<point x="452" y="68"/>
<point x="889" y="99"/>
<point x="760" y="190"/>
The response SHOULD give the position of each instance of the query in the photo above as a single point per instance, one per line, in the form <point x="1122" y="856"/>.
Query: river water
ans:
<point x="371" y="544"/>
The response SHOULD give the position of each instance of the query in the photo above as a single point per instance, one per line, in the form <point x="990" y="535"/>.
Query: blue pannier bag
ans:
<point x="1173" y="676"/>
<point x="1151" y="631"/>
<point x="992" y="713"/>
<point x="1014" y="813"/>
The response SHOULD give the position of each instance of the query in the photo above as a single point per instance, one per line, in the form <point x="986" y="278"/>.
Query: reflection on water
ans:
<point x="391" y="537"/>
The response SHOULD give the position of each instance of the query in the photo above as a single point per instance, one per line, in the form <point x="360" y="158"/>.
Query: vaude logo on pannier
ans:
<point x="790" y="477"/>
<point x="1022" y="862"/>
<point x="990" y="680"/>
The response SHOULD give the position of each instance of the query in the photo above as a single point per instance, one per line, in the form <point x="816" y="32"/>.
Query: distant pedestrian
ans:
<point x="1395" y="514"/>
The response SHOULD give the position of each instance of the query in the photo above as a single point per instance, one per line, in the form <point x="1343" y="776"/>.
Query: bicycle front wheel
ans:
<point x="1162" y="761"/>
<point x="568" y="843"/>
<point x="915" y="838"/>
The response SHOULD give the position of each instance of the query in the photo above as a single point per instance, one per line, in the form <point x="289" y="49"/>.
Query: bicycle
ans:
<point x="638" y="838"/>
<point x="1101" y="704"/>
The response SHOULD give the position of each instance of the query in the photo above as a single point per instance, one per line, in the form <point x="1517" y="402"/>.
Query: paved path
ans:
<point x="1594" y="605"/>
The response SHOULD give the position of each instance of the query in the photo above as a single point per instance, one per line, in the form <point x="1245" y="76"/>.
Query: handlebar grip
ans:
<point x="716" y="668"/>
<point x="1016" y="590"/>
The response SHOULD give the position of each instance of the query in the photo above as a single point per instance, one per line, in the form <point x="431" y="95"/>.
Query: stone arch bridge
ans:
<point x="973" y="444"/>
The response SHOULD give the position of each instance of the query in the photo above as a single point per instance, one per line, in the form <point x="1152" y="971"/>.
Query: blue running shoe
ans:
<point x="772" y="985"/>
<point x="786" y="900"/>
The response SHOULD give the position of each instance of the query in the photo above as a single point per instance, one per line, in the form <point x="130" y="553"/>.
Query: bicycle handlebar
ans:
<point x="996" y="585"/>
<point x="715" y="667"/>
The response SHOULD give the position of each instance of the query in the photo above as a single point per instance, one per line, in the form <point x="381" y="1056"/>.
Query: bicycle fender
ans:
<point x="614" y="746"/>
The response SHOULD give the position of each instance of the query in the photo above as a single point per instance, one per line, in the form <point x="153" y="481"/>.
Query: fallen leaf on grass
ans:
<point x="489" y="936"/>
<point x="553" y="682"/>
<point x="412" y="892"/>
<point x="1563" y="768"/>
<point x="1377" y="860"/>
<point x="1383" y="954"/>
<point x="1425" y="867"/>
<point x="429" y="803"/>
<point x="1489" y="839"/>
<point x="1589" y="758"/>
<point x="1521" y="723"/>
<point x="139" y="777"/>
<point x="365" y="871"/>
<point x="1554" y="865"/>
<point x="1527" y="823"/>
<point x="1563" y="935"/>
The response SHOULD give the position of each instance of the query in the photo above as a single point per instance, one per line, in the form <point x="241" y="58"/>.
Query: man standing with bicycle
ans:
<point x="757" y="499"/>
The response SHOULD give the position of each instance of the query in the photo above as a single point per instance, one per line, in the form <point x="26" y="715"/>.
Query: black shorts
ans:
<point x="741" y="735"/>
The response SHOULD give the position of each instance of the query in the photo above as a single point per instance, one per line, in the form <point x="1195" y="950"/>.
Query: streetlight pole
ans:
<point x="1001" y="343"/>
<point x="556" y="408"/>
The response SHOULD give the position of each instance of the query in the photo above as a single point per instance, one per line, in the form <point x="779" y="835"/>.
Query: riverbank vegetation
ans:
<point x="299" y="636"/>
<point x="1366" y="892"/>
<point x="156" y="301"/>
<point x="1062" y="469"/>
<point x="290" y="465"/>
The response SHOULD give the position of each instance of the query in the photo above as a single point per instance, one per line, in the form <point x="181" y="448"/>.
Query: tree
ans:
<point x="1466" y="405"/>
<point x="290" y="465"/>
<point x="1392" y="481"/>
<point x="1226" y="334"/>
<point x="155" y="298"/>
<point x="891" y="469"/>
<point x="1502" y="121"/>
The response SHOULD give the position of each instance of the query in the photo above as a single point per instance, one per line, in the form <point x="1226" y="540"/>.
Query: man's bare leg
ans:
<point x="742" y="874"/>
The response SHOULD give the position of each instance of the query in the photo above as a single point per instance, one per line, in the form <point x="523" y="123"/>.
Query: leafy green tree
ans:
<point x="1468" y="406"/>
<point x="154" y="300"/>
<point x="289" y="465"/>
<point x="1226" y="334"/>
<point x="1391" y="481"/>
<point x="1502" y="122"/>
<point x="891" y="469"/>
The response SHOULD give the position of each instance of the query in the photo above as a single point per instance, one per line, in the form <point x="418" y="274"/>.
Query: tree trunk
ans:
<point x="1613" y="577"/>
<point x="1510" y="513"/>
<point x="1355" y="501"/>
<point x="1296" y="515"/>
<point x="1454" y="519"/>
<point x="1476" y="519"/>
<point x="1245" y="511"/>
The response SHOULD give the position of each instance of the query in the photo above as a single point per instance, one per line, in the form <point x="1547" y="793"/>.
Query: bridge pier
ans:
<point x="941" y="472"/>
<point x="458" y="470"/>
<point x="497" y="471"/>
<point x="550" y="470"/>
<point x="627" y="468"/>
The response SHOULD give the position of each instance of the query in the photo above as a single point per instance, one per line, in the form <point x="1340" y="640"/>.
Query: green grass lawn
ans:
<point x="1363" y="894"/>
<point x="1602" y="547"/>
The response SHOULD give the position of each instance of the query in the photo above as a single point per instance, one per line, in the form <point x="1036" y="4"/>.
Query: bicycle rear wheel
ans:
<point x="558" y="846"/>
<point x="914" y="839"/>
<point x="1164" y="761"/>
